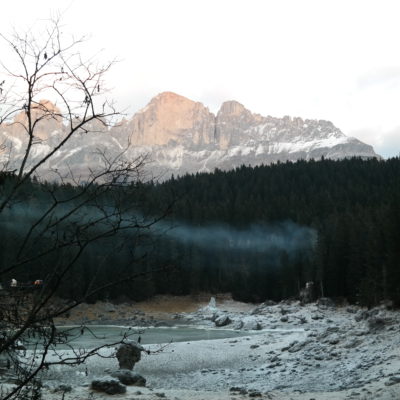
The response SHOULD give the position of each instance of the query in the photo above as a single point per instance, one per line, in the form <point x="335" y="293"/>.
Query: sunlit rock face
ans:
<point x="179" y="136"/>
<point x="170" y="118"/>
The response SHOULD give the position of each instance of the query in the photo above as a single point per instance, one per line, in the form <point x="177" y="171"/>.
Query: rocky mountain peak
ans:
<point x="181" y="135"/>
<point x="169" y="98"/>
<point x="170" y="117"/>
<point x="232" y="120"/>
<point x="231" y="108"/>
<point x="50" y="115"/>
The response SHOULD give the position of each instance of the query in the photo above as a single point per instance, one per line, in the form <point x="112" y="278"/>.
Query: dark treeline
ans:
<point x="49" y="228"/>
<point x="257" y="232"/>
<point x="353" y="205"/>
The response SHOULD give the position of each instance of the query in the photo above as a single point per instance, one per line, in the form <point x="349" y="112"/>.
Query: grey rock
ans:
<point x="128" y="354"/>
<point x="222" y="320"/>
<point x="332" y="329"/>
<point x="240" y="390"/>
<point x="127" y="377"/>
<point x="297" y="346"/>
<point x="212" y="316"/>
<point x="393" y="380"/>
<point x="353" y="343"/>
<point x="317" y="316"/>
<point x="238" y="324"/>
<point x="62" y="388"/>
<point x="334" y="339"/>
<point x="251" y="325"/>
<point x="325" y="302"/>
<point x="255" y="393"/>
<point x="376" y="323"/>
<point x="361" y="315"/>
<point x="263" y="307"/>
<point x="108" y="385"/>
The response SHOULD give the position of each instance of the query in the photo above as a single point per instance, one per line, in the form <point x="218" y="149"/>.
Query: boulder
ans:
<point x="108" y="385"/>
<point x="62" y="388"/>
<point x="263" y="307"/>
<point x="361" y="315"/>
<point x="211" y="316"/>
<point x="296" y="346"/>
<point x="317" y="316"/>
<point x="127" y="377"/>
<point x="334" y="339"/>
<point x="238" y="324"/>
<point x="376" y="323"/>
<point x="128" y="354"/>
<point x="325" y="302"/>
<point x="251" y="325"/>
<point x="222" y="320"/>
<point x="393" y="380"/>
<point x="332" y="329"/>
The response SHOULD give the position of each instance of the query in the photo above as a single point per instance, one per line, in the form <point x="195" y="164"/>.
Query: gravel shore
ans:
<point x="316" y="351"/>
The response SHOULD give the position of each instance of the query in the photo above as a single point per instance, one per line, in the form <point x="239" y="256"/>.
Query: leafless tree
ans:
<point x="58" y="228"/>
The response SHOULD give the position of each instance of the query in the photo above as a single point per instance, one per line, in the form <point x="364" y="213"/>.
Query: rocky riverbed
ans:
<point x="315" y="351"/>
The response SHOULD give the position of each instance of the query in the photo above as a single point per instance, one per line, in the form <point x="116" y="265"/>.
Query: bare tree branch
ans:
<point x="54" y="82"/>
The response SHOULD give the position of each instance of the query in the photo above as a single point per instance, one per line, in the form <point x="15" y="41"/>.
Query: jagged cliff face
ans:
<point x="232" y="122"/>
<point x="181" y="136"/>
<point x="172" y="118"/>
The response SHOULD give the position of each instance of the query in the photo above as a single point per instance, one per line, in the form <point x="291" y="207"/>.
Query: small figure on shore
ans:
<point x="13" y="283"/>
<point x="307" y="293"/>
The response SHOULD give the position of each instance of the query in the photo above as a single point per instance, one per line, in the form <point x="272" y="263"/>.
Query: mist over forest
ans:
<point x="256" y="232"/>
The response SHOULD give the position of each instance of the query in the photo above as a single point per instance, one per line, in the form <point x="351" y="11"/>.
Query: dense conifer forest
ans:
<point x="256" y="232"/>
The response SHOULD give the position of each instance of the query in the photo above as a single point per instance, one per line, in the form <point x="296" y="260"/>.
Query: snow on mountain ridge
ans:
<point x="182" y="136"/>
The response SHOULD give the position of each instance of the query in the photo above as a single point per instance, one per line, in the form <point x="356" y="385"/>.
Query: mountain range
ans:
<point x="182" y="136"/>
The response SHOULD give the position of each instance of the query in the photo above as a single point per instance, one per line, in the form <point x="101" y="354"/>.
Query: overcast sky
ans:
<point x="335" y="60"/>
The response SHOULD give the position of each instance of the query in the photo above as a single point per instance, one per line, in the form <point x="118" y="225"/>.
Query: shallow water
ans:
<point x="99" y="335"/>
<point x="102" y="335"/>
